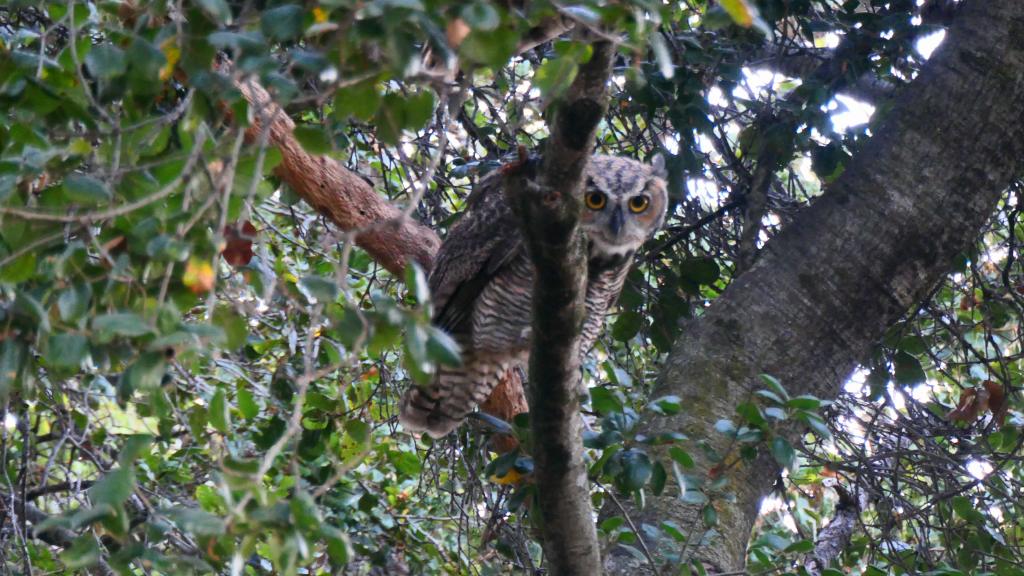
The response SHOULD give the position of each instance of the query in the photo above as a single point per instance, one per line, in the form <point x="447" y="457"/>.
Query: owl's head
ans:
<point x="624" y="204"/>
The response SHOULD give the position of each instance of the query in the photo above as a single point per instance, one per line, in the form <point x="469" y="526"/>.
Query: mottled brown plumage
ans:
<point x="482" y="282"/>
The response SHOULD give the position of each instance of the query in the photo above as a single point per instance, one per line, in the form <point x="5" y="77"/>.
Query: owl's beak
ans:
<point x="617" y="221"/>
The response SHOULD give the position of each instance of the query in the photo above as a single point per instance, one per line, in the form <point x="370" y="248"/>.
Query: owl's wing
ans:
<point x="478" y="246"/>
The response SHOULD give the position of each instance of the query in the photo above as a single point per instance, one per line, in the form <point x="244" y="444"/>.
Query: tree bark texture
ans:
<point x="835" y="537"/>
<point x="389" y="236"/>
<point x="825" y="289"/>
<point x="550" y="214"/>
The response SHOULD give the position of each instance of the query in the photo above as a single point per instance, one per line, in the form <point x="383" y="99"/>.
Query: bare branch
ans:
<point x="550" y="215"/>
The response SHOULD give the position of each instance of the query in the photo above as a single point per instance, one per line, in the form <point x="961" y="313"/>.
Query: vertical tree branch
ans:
<point x="550" y="213"/>
<point x="835" y="537"/>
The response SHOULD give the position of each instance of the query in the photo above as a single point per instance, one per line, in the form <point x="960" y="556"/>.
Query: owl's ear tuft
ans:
<point x="658" y="166"/>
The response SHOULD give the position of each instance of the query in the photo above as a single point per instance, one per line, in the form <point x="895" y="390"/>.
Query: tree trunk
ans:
<point x="825" y="289"/>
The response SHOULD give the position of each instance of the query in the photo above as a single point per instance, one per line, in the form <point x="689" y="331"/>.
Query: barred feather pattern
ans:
<point x="439" y="408"/>
<point x="502" y="343"/>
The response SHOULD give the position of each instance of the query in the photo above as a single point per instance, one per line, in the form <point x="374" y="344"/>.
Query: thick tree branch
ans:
<point x="835" y="537"/>
<point x="826" y="288"/>
<point x="384" y="231"/>
<point x="550" y="213"/>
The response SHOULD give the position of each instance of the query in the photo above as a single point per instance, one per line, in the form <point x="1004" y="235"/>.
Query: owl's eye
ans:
<point x="596" y="200"/>
<point x="638" y="204"/>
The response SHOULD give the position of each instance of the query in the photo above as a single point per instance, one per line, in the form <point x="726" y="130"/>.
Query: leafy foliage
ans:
<point x="199" y="375"/>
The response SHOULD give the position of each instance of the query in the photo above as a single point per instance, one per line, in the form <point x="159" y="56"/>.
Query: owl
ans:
<point x="482" y="282"/>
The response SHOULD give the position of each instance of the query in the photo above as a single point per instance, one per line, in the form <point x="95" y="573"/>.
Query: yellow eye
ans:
<point x="638" y="204"/>
<point x="596" y="200"/>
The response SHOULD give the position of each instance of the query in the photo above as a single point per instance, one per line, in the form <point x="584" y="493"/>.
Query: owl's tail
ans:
<point x="441" y="406"/>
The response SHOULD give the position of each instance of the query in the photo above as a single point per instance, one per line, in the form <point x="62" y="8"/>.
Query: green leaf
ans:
<point x="418" y="109"/>
<point x="680" y="456"/>
<point x="783" y="452"/>
<point x="555" y="75"/>
<point x="662" y="55"/>
<point x="324" y="290"/>
<point x="751" y="413"/>
<point x="106" y="62"/>
<point x="627" y="325"/>
<point x="339" y="549"/>
<point x="234" y="326"/>
<point x="358" y="431"/>
<point x="480" y="16"/>
<point x="246" y="403"/>
<point x="726" y="427"/>
<point x="359" y="100"/>
<point x="612" y="524"/>
<point x="20" y="269"/>
<point x="416" y="359"/>
<point x="667" y="405"/>
<point x="86" y="190"/>
<point x="804" y="402"/>
<point x="126" y="324"/>
<point x="775" y="386"/>
<point x="744" y="13"/>
<point x="166" y="247"/>
<point x="407" y="463"/>
<point x="114" y="488"/>
<point x="829" y="162"/>
<point x="658" y="479"/>
<point x="146" y="61"/>
<point x="636" y="470"/>
<point x="442" y="348"/>
<point x="145" y="373"/>
<point x="195" y="521"/>
<point x="314" y="139"/>
<point x="698" y="272"/>
<point x="493" y="48"/>
<point x="710" y="515"/>
<point x="74" y="301"/>
<point x="216" y="10"/>
<point x="416" y="282"/>
<point x="962" y="506"/>
<point x="283" y="22"/>
<point x="66" y="350"/>
<point x="673" y="530"/>
<point x="799" y="547"/>
<point x="305" y="511"/>
<point x="26" y="305"/>
<point x="391" y="119"/>
<point x="220" y="418"/>
<point x="83" y="553"/>
<point x="908" y="371"/>
<point x="605" y="400"/>
<point x="135" y="446"/>
<point x="13" y="355"/>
